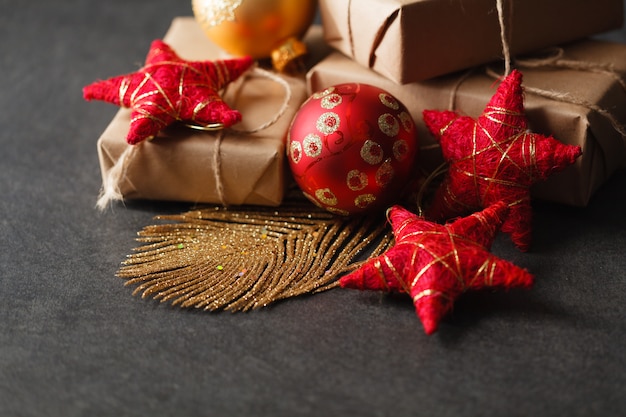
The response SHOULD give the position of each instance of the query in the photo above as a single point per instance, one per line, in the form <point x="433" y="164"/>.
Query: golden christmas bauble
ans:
<point x="259" y="28"/>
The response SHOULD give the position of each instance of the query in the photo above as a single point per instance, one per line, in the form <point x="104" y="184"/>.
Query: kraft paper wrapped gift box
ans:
<point x="604" y="147"/>
<point x="179" y="164"/>
<point x="414" y="40"/>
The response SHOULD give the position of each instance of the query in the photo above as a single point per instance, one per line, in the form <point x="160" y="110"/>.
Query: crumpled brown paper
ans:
<point x="414" y="40"/>
<point x="178" y="165"/>
<point x="604" y="148"/>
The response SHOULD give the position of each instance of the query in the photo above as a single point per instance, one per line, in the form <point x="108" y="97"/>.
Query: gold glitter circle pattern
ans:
<point x="385" y="174"/>
<point x="388" y="124"/>
<point x="326" y="196"/>
<point x="323" y="93"/>
<point x="400" y="150"/>
<point x="312" y="145"/>
<point x="331" y="101"/>
<point x="312" y="199"/>
<point x="295" y="151"/>
<point x="335" y="210"/>
<point x="406" y="120"/>
<point x="215" y="12"/>
<point x="356" y="180"/>
<point x="364" y="200"/>
<point x="328" y="123"/>
<point x="371" y="152"/>
<point x="389" y="101"/>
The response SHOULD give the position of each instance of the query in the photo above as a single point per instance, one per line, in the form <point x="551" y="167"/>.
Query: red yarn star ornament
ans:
<point x="436" y="263"/>
<point x="168" y="89"/>
<point x="495" y="158"/>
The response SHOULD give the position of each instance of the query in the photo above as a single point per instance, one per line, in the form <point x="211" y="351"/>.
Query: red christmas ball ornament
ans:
<point x="351" y="148"/>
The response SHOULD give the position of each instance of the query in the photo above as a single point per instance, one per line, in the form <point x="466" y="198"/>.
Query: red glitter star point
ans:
<point x="168" y="89"/>
<point x="495" y="158"/>
<point x="436" y="263"/>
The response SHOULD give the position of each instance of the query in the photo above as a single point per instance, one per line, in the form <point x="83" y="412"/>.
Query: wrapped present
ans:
<point x="578" y="97"/>
<point x="230" y="166"/>
<point x="414" y="40"/>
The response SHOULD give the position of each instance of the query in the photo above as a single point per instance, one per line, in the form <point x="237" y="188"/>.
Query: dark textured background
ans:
<point x="74" y="342"/>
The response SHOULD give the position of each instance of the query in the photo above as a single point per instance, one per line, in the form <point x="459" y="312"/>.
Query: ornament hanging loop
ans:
<point x="287" y="58"/>
<point x="504" y="32"/>
<point x="440" y="170"/>
<point x="211" y="127"/>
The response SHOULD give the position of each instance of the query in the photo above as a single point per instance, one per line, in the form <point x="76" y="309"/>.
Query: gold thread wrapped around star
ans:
<point x="435" y="263"/>
<point x="495" y="158"/>
<point x="170" y="89"/>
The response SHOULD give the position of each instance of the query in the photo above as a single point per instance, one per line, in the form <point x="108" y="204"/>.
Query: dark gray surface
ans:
<point x="73" y="342"/>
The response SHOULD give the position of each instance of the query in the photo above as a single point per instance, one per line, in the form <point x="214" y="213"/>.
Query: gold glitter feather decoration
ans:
<point x="240" y="259"/>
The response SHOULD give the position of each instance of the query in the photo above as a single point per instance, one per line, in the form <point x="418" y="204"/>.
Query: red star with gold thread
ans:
<point x="495" y="158"/>
<point x="168" y="89"/>
<point x="436" y="263"/>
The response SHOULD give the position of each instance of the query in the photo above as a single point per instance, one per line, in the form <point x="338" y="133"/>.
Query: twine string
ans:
<point x="284" y="105"/>
<point x="504" y="33"/>
<point x="455" y="88"/>
<point x="552" y="59"/>
<point x="217" y="168"/>
<point x="217" y="155"/>
<point x="111" y="182"/>
<point x="504" y="21"/>
<point x="350" y="34"/>
<point x="565" y="97"/>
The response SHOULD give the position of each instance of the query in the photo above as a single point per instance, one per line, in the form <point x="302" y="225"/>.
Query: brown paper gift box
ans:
<point x="178" y="165"/>
<point x="604" y="148"/>
<point x="414" y="40"/>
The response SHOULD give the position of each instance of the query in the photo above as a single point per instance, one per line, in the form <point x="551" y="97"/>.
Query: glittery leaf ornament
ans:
<point x="169" y="89"/>
<point x="240" y="259"/>
<point x="436" y="263"/>
<point x="495" y="158"/>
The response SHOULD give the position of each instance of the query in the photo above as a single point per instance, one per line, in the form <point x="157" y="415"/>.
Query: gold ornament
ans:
<point x="259" y="28"/>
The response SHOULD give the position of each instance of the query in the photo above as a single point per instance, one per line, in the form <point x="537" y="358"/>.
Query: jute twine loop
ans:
<point x="549" y="58"/>
<point x="217" y="158"/>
